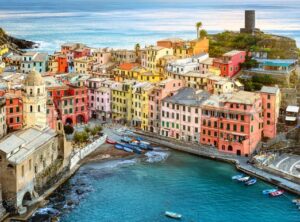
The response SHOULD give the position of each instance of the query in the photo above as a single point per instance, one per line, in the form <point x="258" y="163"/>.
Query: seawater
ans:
<point x="122" y="24"/>
<point x="142" y="189"/>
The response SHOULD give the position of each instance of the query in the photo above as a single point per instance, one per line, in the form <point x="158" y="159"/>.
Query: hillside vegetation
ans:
<point x="276" y="46"/>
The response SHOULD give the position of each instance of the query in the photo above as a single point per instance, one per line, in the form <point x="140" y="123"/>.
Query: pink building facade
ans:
<point x="230" y="62"/>
<point x="99" y="94"/>
<point x="162" y="90"/>
<point x="232" y="123"/>
<point x="181" y="115"/>
<point x="271" y="104"/>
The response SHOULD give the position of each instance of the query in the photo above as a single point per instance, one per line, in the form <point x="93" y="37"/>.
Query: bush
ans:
<point x="68" y="129"/>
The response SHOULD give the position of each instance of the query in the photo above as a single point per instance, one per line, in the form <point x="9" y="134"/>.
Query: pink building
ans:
<point x="181" y="115"/>
<point x="229" y="63"/>
<point x="271" y="105"/>
<point x="162" y="90"/>
<point x="99" y="93"/>
<point x="233" y="122"/>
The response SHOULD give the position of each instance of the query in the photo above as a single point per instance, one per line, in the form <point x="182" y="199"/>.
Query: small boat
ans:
<point x="243" y="179"/>
<point x="173" y="215"/>
<point x="236" y="177"/>
<point x="250" y="182"/>
<point x="126" y="139"/>
<point x="133" y="148"/>
<point x="110" y="141"/>
<point x="119" y="147"/>
<point x="296" y="201"/>
<point x="297" y="167"/>
<point x="128" y="150"/>
<point x="277" y="193"/>
<point x="268" y="191"/>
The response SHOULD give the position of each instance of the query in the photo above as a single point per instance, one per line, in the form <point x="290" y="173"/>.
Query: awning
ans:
<point x="290" y="118"/>
<point x="292" y="109"/>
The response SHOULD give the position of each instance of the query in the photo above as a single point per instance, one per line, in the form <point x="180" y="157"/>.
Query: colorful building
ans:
<point x="83" y="65"/>
<point x="160" y="91"/>
<point x="153" y="54"/>
<point x="14" y="111"/>
<point x="124" y="56"/>
<point x="34" y="60"/>
<point x="3" y="125"/>
<point x="230" y="62"/>
<point x="181" y="115"/>
<point x="271" y="98"/>
<point x="58" y="63"/>
<point x="233" y="122"/>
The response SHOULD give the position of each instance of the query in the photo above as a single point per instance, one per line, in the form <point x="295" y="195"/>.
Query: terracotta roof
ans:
<point x="128" y="66"/>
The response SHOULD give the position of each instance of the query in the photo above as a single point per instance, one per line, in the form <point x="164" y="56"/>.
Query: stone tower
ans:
<point x="34" y="101"/>
<point x="249" y="22"/>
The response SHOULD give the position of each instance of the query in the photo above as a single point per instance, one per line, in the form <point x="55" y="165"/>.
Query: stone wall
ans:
<point x="2" y="210"/>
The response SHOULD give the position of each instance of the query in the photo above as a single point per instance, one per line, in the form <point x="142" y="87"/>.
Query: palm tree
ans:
<point x="198" y="26"/>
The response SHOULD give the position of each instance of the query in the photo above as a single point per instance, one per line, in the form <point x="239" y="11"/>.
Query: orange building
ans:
<point x="14" y="111"/>
<point x="170" y="43"/>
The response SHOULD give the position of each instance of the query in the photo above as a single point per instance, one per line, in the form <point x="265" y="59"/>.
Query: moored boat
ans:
<point x="236" y="177"/>
<point x="119" y="147"/>
<point x="126" y="139"/>
<point x="251" y="182"/>
<point x="128" y="150"/>
<point x="109" y="141"/>
<point x="244" y="179"/>
<point x="133" y="148"/>
<point x="173" y="215"/>
<point x="296" y="201"/>
<point x="277" y="193"/>
<point x="268" y="191"/>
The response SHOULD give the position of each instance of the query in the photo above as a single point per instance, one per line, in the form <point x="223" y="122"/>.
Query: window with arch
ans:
<point x="31" y="109"/>
<point x="39" y="108"/>
<point x="38" y="91"/>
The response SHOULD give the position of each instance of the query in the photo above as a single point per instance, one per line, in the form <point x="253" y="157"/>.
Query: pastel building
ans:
<point x="3" y="125"/>
<point x="271" y="98"/>
<point x="99" y="94"/>
<point x="153" y="54"/>
<point x="58" y="63"/>
<point x="83" y="65"/>
<point x="192" y="64"/>
<point x="181" y="115"/>
<point x="140" y="104"/>
<point x="122" y="101"/>
<point x="124" y="56"/>
<point x="102" y="56"/>
<point x="230" y="62"/>
<point x="232" y="123"/>
<point x="34" y="60"/>
<point x="161" y="90"/>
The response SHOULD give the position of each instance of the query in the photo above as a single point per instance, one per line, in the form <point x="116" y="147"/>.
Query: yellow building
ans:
<point x="140" y="104"/>
<point x="122" y="101"/>
<point x="200" y="45"/>
<point x="152" y="56"/>
<point x="3" y="49"/>
<point x="83" y="65"/>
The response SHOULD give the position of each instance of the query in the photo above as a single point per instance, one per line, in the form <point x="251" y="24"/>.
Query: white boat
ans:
<point x="236" y="177"/>
<point x="244" y="179"/>
<point x="297" y="167"/>
<point x="173" y="215"/>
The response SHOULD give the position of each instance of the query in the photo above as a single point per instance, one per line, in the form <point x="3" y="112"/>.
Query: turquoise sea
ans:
<point x="121" y="24"/>
<point x="141" y="189"/>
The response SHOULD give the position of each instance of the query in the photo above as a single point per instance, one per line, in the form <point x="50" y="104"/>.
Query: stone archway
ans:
<point x="27" y="198"/>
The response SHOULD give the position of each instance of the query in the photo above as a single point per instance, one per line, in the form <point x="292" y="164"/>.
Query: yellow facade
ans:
<point x="153" y="54"/>
<point x="140" y="104"/>
<point x="3" y="49"/>
<point x="122" y="101"/>
<point x="82" y="65"/>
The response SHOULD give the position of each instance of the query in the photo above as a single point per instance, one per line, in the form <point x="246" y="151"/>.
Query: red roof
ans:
<point x="128" y="66"/>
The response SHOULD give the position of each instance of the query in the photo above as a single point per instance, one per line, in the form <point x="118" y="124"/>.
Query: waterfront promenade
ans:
<point x="241" y="163"/>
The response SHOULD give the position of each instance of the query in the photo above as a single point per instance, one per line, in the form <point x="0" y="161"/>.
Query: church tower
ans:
<point x="34" y="101"/>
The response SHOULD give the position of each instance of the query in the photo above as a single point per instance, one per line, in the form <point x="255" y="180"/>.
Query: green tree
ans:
<point x="203" y="33"/>
<point x="198" y="26"/>
<point x="87" y="129"/>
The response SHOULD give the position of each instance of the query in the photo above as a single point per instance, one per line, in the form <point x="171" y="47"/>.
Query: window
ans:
<point x="268" y="105"/>
<point x="31" y="109"/>
<point x="268" y="115"/>
<point x="242" y="128"/>
<point x="252" y="129"/>
<point x="11" y="120"/>
<point x="39" y="108"/>
<point x="11" y="110"/>
<point x="23" y="171"/>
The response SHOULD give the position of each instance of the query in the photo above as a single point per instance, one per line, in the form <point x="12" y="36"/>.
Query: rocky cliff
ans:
<point x="15" y="44"/>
